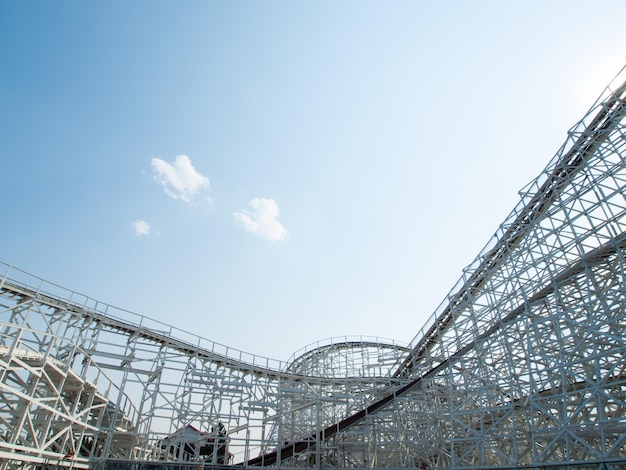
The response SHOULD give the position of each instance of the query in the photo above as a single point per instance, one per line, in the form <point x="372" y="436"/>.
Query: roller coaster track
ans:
<point x="611" y="113"/>
<point x="135" y="330"/>
<point x="556" y="313"/>
<point x="24" y="294"/>
<point x="129" y="328"/>
<point x="595" y="257"/>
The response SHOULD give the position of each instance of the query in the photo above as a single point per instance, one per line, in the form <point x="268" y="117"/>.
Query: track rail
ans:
<point x="611" y="112"/>
<point x="593" y="258"/>
<point x="137" y="330"/>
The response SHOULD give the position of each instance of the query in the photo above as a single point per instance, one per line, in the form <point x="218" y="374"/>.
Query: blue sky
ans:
<point x="269" y="174"/>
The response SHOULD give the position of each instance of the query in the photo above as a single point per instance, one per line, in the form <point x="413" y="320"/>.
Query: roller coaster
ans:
<point x="521" y="366"/>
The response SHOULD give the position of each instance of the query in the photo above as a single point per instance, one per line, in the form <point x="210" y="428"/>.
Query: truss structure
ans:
<point x="522" y="365"/>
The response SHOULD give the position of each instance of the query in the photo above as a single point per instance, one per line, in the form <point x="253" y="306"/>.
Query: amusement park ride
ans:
<point x="522" y="365"/>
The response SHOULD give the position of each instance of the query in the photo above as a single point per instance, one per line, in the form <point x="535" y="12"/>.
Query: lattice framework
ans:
<point x="522" y="364"/>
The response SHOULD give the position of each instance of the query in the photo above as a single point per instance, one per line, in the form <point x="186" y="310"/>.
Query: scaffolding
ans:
<point x="521" y="366"/>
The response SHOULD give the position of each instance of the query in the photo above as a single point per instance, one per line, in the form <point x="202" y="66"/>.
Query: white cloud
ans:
<point x="180" y="180"/>
<point x="263" y="220"/>
<point x="141" y="227"/>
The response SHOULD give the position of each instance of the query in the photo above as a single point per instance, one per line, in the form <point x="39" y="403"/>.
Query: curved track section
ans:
<point x="521" y="366"/>
<point x="177" y="397"/>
